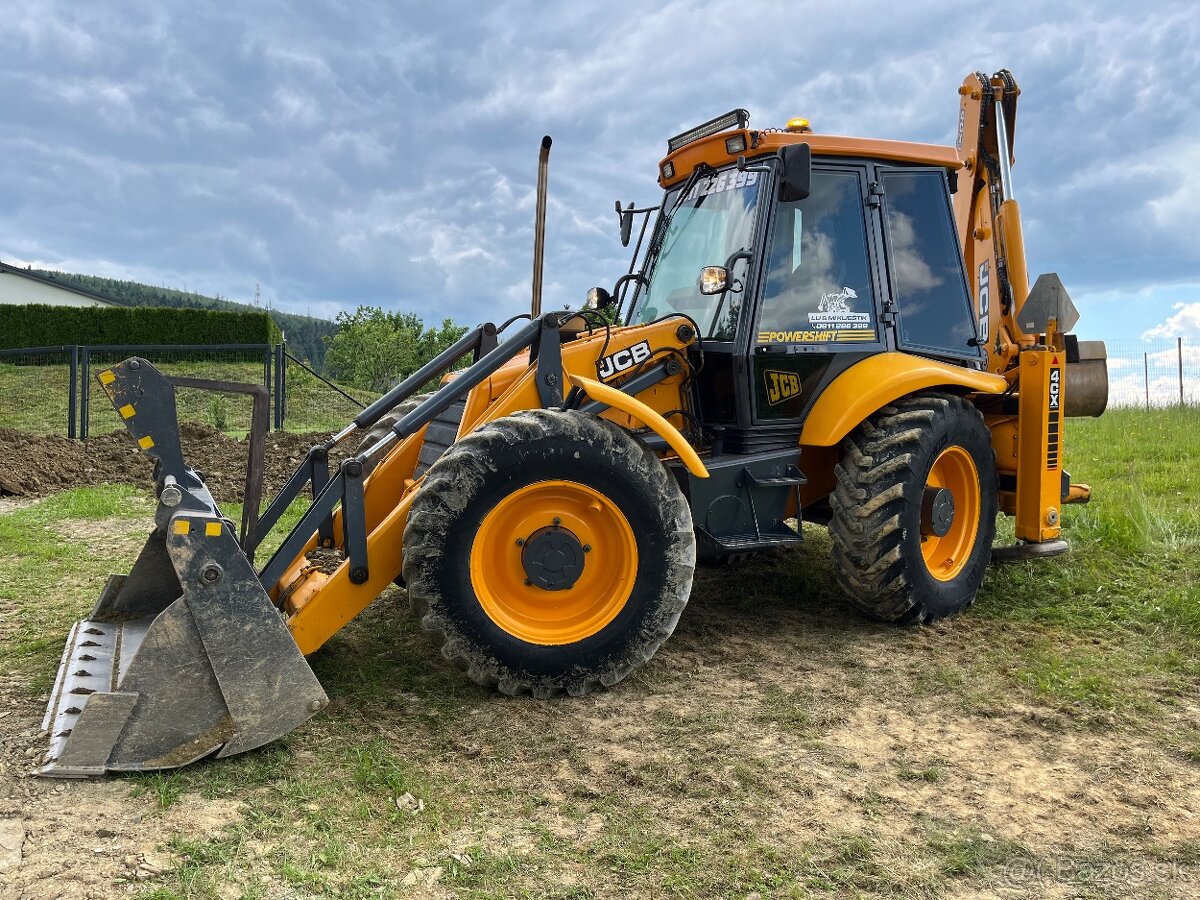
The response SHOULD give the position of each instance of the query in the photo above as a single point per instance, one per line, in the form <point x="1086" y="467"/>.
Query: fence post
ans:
<point x="73" y="393"/>
<point x="85" y="387"/>
<point x="280" y="385"/>
<point x="1179" y="347"/>
<point x="1146" y="376"/>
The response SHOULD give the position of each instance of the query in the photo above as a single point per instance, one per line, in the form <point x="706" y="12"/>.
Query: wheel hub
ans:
<point x="950" y="509"/>
<point x="937" y="511"/>
<point x="552" y="558"/>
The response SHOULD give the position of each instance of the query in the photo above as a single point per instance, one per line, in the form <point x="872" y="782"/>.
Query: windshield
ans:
<point x="714" y="220"/>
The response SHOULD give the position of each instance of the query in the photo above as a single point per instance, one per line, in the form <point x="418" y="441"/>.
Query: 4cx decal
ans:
<point x="618" y="362"/>
<point x="781" y="386"/>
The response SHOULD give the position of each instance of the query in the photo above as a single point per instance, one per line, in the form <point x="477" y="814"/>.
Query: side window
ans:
<point x="928" y="284"/>
<point x="818" y="282"/>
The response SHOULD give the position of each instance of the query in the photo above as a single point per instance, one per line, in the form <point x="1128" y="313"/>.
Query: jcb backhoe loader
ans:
<point x="813" y="328"/>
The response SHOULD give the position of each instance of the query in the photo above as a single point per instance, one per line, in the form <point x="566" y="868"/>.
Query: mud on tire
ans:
<point x="497" y="461"/>
<point x="876" y="525"/>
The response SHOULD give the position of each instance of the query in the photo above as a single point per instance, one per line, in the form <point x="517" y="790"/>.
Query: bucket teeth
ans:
<point x="73" y="683"/>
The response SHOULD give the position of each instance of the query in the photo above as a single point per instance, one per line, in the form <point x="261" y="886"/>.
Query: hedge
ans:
<point x="36" y="325"/>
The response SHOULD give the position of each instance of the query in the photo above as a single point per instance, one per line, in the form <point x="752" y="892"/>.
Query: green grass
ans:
<point x="1115" y="624"/>
<point x="36" y="399"/>
<point x="721" y="769"/>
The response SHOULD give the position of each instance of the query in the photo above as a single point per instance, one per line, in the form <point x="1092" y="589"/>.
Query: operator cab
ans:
<point x="795" y="269"/>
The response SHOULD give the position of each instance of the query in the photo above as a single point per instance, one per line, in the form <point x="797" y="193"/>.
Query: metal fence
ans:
<point x="1153" y="373"/>
<point x="54" y="389"/>
<point x="251" y="363"/>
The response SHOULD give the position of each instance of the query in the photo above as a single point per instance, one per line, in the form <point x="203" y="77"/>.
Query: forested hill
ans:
<point x="305" y="334"/>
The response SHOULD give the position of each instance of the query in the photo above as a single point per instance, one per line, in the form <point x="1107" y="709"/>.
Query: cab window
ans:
<point x="818" y="287"/>
<point x="926" y="268"/>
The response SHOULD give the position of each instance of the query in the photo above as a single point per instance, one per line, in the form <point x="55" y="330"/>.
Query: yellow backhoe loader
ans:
<point x="812" y="329"/>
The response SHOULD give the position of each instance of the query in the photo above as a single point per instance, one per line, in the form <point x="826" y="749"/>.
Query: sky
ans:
<point x="385" y="153"/>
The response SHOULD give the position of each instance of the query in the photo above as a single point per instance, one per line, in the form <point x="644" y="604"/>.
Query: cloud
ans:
<point x="1184" y="323"/>
<point x="379" y="154"/>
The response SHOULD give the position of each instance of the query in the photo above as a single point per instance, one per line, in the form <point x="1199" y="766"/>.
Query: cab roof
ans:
<point x="712" y="150"/>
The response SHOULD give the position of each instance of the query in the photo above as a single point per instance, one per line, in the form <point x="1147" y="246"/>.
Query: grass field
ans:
<point x="35" y="399"/>
<point x="1046" y="743"/>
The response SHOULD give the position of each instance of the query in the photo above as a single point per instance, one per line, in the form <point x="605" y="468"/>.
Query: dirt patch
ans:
<point x="37" y="465"/>
<point x="84" y="839"/>
<point x="812" y="739"/>
<point x="12" y="504"/>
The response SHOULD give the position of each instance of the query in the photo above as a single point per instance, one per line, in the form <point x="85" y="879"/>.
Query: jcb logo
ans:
<point x="618" y="362"/>
<point x="1054" y="379"/>
<point x="781" y="386"/>
<point x="985" y="301"/>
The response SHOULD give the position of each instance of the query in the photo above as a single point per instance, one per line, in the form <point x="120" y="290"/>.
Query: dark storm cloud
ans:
<point x="362" y="153"/>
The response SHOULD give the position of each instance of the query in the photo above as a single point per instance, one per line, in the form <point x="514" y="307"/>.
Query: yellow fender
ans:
<point x="643" y="413"/>
<point x="878" y="380"/>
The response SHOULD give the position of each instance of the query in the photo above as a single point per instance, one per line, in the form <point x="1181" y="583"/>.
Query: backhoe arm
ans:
<point x="988" y="216"/>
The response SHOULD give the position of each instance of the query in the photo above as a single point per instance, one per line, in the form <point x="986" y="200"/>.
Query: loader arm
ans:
<point x="321" y="599"/>
<point x="188" y="655"/>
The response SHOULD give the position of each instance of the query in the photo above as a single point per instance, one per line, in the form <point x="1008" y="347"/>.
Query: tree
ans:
<point x="373" y="349"/>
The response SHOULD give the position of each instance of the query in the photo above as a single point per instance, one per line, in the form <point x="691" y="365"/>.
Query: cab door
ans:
<point x="927" y="280"/>
<point x="818" y="306"/>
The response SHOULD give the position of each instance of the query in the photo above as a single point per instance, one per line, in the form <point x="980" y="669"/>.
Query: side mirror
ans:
<point x="598" y="298"/>
<point x="626" y="216"/>
<point x="796" y="177"/>
<point x="714" y="280"/>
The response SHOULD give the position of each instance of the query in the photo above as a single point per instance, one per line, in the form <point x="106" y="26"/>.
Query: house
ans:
<point x="21" y="286"/>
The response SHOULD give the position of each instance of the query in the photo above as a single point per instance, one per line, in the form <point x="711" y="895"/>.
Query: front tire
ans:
<point x="550" y="551"/>
<point x="914" y="511"/>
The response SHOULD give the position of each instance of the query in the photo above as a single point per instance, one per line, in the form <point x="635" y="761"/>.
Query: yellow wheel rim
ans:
<point x="554" y="617"/>
<point x="945" y="556"/>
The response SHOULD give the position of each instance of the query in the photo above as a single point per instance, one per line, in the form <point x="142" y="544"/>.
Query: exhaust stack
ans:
<point x="539" y="226"/>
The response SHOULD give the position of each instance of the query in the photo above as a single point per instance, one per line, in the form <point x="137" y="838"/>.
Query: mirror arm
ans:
<point x="733" y="258"/>
<point x="625" y="279"/>
<point x="762" y="166"/>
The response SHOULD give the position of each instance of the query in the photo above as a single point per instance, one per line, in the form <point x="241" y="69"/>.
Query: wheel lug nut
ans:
<point x="587" y="548"/>
<point x="557" y="520"/>
<point x="520" y="542"/>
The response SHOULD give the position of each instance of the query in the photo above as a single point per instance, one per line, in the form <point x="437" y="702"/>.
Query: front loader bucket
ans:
<point x="186" y="655"/>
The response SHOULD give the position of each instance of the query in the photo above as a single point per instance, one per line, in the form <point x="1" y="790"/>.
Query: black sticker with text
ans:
<point x="781" y="386"/>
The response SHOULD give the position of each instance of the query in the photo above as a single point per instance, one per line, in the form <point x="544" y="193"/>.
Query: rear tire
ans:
<point x="892" y="564"/>
<point x="533" y="483"/>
